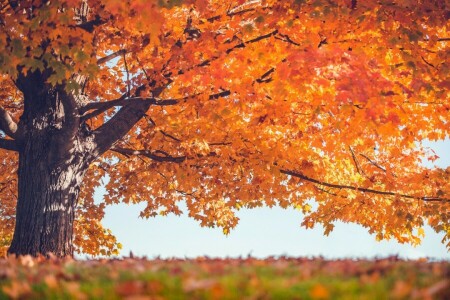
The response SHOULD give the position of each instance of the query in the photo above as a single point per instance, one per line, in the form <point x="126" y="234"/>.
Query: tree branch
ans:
<point x="118" y="126"/>
<point x="7" y="124"/>
<point x="128" y="73"/>
<point x="8" y="145"/>
<point x="170" y="136"/>
<point x="165" y="157"/>
<point x="428" y="63"/>
<point x="111" y="56"/>
<point x="287" y="39"/>
<point x="257" y="39"/>
<point x="355" y="160"/>
<point x="162" y="156"/>
<point x="363" y="190"/>
<point x="101" y="107"/>
<point x="373" y="163"/>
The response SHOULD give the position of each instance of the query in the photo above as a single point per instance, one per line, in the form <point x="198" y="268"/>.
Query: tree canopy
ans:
<point x="247" y="104"/>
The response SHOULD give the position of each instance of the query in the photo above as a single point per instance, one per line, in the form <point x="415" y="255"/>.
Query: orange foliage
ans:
<point x="256" y="103"/>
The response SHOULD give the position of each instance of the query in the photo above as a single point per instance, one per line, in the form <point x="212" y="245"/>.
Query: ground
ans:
<point x="207" y="278"/>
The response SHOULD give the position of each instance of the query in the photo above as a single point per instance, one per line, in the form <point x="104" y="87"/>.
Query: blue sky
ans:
<point x="261" y="232"/>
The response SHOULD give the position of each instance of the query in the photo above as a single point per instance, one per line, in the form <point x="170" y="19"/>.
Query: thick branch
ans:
<point x="363" y="190"/>
<point x="101" y="107"/>
<point x="118" y="126"/>
<point x="8" y="145"/>
<point x="7" y="124"/>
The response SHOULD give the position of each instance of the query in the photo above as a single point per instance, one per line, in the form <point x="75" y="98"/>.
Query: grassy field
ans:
<point x="204" y="278"/>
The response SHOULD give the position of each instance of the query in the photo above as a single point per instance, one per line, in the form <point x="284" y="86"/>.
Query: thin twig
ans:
<point x="128" y="73"/>
<point x="373" y="163"/>
<point x="355" y="160"/>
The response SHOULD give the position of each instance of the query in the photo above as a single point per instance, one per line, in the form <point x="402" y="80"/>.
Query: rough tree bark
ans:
<point x="51" y="168"/>
<point x="47" y="198"/>
<point x="55" y="150"/>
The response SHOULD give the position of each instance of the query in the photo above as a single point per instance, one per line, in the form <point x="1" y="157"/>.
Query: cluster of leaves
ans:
<point x="204" y="278"/>
<point x="269" y="103"/>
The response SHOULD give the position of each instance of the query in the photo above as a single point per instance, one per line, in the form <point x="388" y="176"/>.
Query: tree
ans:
<point x="221" y="105"/>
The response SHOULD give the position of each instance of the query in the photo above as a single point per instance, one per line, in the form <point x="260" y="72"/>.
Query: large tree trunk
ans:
<point x="47" y="200"/>
<point x="55" y="150"/>
<point x="52" y="164"/>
